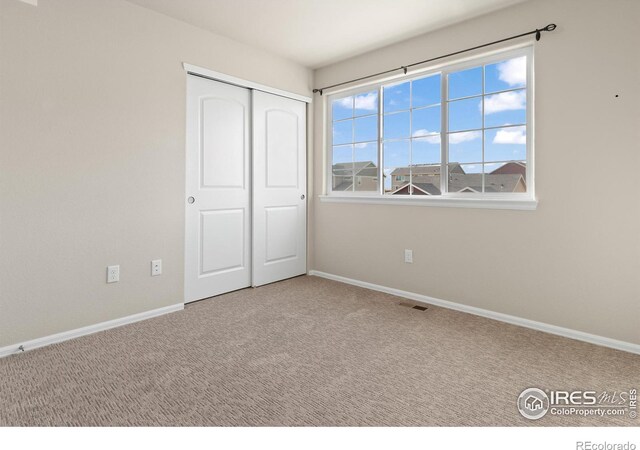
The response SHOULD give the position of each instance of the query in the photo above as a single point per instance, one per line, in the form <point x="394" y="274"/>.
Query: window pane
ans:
<point x="425" y="166"/>
<point x="465" y="147"/>
<point x="465" y="114"/>
<point x="396" y="165"/>
<point x="426" y="150"/>
<point x="396" y="98"/>
<point x="342" y="154"/>
<point x="509" y="74"/>
<point x="342" y="132"/>
<point x="366" y="129"/>
<point x="342" y="108"/>
<point x="465" y="178"/>
<point x="507" y="108"/>
<point x="426" y="91"/>
<point x="509" y="177"/>
<point x="366" y="166"/>
<point x="366" y="103"/>
<point x="505" y="144"/>
<point x="425" y="121"/>
<point x="465" y="83"/>
<point x="396" y="125"/>
<point x="342" y="168"/>
<point x="366" y="152"/>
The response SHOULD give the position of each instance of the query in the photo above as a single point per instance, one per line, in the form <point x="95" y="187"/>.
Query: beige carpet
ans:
<point x="305" y="351"/>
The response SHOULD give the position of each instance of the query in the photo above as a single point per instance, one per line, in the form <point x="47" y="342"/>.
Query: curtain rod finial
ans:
<point x="550" y="27"/>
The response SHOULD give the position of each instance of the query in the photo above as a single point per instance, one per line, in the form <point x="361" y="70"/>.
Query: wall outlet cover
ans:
<point x="113" y="274"/>
<point x="408" y="256"/>
<point x="156" y="267"/>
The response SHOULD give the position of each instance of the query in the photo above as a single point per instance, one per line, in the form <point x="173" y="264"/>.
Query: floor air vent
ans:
<point x="409" y="305"/>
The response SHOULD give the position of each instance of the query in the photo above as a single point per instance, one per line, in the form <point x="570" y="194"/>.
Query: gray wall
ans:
<point x="92" y="117"/>
<point x="574" y="261"/>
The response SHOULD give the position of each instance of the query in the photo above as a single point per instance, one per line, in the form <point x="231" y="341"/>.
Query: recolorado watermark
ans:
<point x="588" y="445"/>
<point x="535" y="403"/>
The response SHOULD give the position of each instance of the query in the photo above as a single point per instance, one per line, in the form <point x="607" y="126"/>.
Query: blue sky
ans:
<point x="412" y="137"/>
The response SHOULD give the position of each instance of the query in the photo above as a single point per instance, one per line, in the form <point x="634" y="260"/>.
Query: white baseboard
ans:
<point x="66" y="335"/>
<point x="539" y="326"/>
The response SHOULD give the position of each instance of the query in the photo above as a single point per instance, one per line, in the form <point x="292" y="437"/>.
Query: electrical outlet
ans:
<point x="113" y="274"/>
<point x="156" y="267"/>
<point x="408" y="256"/>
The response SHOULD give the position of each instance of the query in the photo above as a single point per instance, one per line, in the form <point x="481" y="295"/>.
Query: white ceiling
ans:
<point x="315" y="33"/>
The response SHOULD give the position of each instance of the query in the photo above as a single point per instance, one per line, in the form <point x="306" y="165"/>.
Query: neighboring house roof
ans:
<point x="359" y="168"/>
<point x="418" y="189"/>
<point x="426" y="169"/>
<point x="426" y="177"/>
<point x="455" y="168"/>
<point x="427" y="188"/>
<point x="493" y="183"/>
<point x="511" y="168"/>
<point x="466" y="182"/>
<point x="368" y="172"/>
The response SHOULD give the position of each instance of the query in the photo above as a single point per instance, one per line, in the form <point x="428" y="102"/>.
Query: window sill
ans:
<point x="479" y="203"/>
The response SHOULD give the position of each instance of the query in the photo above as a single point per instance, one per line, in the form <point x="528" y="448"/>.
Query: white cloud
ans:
<point x="514" y="71"/>
<point x="428" y="136"/>
<point x="457" y="138"/>
<point x="507" y="101"/>
<point x="367" y="102"/>
<point x="346" y="102"/>
<point x="513" y="136"/>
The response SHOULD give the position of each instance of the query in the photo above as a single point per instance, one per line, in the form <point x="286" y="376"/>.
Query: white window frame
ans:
<point x="506" y="200"/>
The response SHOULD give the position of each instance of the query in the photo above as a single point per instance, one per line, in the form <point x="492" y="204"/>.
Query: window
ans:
<point x="457" y="133"/>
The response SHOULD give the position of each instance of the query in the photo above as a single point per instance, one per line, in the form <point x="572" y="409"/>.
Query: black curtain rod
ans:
<point x="537" y="32"/>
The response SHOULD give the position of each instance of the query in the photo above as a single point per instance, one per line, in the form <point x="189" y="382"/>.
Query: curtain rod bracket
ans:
<point x="404" y="68"/>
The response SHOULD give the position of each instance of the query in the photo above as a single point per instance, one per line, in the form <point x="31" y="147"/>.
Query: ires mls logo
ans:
<point x="633" y="403"/>
<point x="575" y="398"/>
<point x="534" y="403"/>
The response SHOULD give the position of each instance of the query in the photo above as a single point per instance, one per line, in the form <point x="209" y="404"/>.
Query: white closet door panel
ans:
<point x="218" y="222"/>
<point x="222" y="230"/>
<point x="223" y="143"/>
<point x="281" y="226"/>
<point x="282" y="149"/>
<point x="279" y="188"/>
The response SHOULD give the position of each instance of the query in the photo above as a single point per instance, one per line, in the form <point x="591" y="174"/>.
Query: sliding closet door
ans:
<point x="279" y="188"/>
<point x="218" y="215"/>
